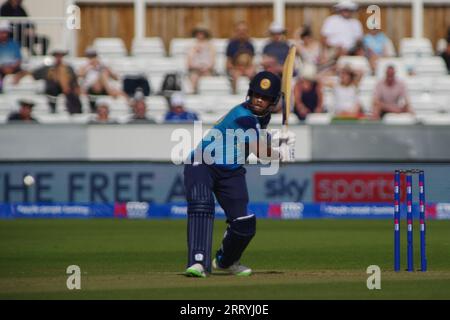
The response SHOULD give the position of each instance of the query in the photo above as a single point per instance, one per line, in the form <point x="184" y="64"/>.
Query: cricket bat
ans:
<point x="286" y="86"/>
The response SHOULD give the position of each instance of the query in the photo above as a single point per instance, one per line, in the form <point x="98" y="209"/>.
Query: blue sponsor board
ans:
<point x="56" y="210"/>
<point x="178" y="210"/>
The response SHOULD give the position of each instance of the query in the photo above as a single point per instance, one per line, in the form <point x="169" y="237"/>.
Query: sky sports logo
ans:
<point x="354" y="187"/>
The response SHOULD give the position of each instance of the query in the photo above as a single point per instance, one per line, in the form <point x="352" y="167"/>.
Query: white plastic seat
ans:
<point x="214" y="85"/>
<point x="110" y="47"/>
<point x="368" y="84"/>
<point x="426" y="66"/>
<point x="356" y="63"/>
<point x="399" y="119"/>
<point x="158" y="103"/>
<point x="441" y="45"/>
<point x="259" y="44"/>
<point x="441" y="84"/>
<point x="220" y="44"/>
<point x="436" y="119"/>
<point x="148" y="47"/>
<point x="428" y="102"/>
<point x="53" y="118"/>
<point x="180" y="46"/>
<point x="416" y="47"/>
<point x="418" y="84"/>
<point x="318" y="118"/>
<point x="26" y="85"/>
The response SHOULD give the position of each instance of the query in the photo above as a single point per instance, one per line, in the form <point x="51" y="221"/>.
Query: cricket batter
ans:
<point x="226" y="180"/>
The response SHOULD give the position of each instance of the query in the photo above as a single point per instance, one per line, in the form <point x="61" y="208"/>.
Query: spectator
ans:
<point x="177" y="113"/>
<point x="24" y="113"/>
<point x="201" y="57"/>
<point x="308" y="97"/>
<point x="276" y="50"/>
<point x="140" y="110"/>
<point x="26" y="32"/>
<point x="10" y="57"/>
<point x="377" y="45"/>
<point x="340" y="30"/>
<point x="96" y="79"/>
<point x="346" y="95"/>
<point x="446" y="53"/>
<point x="308" y="48"/>
<point x="102" y="111"/>
<point x="60" y="78"/>
<point x="390" y="96"/>
<point x="240" y="54"/>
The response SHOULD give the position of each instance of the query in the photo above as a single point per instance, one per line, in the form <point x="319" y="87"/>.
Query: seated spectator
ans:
<point x="10" y="57"/>
<point x="201" y="57"/>
<point x="177" y="113"/>
<point x="390" y="96"/>
<point x="140" y="110"/>
<point x="24" y="113"/>
<point x="25" y="32"/>
<point x="377" y="45"/>
<point x="276" y="50"/>
<point x="60" y="78"/>
<point x="102" y="113"/>
<point x="446" y="53"/>
<point x="240" y="54"/>
<point x="308" y="48"/>
<point x="346" y="95"/>
<point x="96" y="79"/>
<point x="340" y="31"/>
<point x="308" y="97"/>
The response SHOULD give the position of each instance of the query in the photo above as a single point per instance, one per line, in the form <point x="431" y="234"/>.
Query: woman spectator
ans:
<point x="201" y="57"/>
<point x="308" y="93"/>
<point x="307" y="47"/>
<point x="96" y="79"/>
<point x="346" y="95"/>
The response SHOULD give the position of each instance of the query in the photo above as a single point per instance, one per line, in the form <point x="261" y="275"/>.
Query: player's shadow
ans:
<point x="221" y="274"/>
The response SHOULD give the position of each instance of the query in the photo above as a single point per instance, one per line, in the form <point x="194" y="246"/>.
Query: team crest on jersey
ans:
<point x="265" y="84"/>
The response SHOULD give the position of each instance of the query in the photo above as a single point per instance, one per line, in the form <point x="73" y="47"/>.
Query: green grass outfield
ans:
<point x="145" y="259"/>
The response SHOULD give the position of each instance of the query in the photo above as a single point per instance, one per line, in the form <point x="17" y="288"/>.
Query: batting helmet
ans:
<point x="267" y="84"/>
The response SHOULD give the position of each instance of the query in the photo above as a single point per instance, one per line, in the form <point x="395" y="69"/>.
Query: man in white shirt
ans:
<point x="340" y="30"/>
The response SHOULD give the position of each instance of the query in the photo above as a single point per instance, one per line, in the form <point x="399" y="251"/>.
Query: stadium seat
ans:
<point x="156" y="103"/>
<point x="436" y="119"/>
<point x="399" y="119"/>
<point x="356" y="63"/>
<point x="214" y="85"/>
<point x="318" y="118"/>
<point x="221" y="45"/>
<point x="242" y="85"/>
<point x="416" y="47"/>
<point x="27" y="85"/>
<point x="368" y="84"/>
<point x="53" y="118"/>
<point x="110" y="47"/>
<point x="148" y="47"/>
<point x="390" y="49"/>
<point x="418" y="84"/>
<point x="426" y="102"/>
<point x="441" y="84"/>
<point x="259" y="44"/>
<point x="180" y="46"/>
<point x="441" y="45"/>
<point x="423" y="66"/>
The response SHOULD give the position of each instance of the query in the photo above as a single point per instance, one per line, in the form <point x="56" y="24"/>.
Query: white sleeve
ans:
<point x="327" y="27"/>
<point x="359" y="33"/>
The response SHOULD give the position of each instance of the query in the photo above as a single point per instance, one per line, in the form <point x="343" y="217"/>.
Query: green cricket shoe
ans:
<point x="236" y="269"/>
<point x="196" y="271"/>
